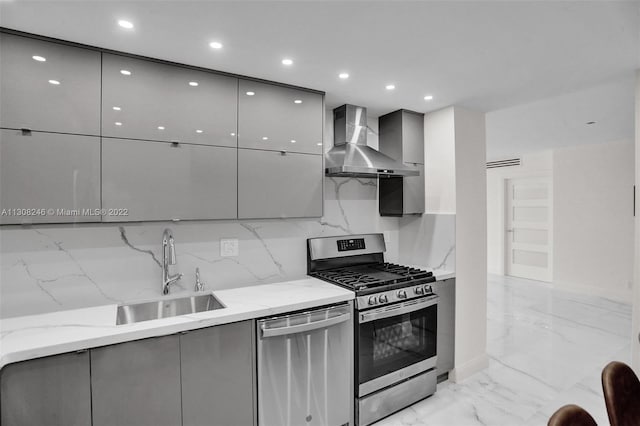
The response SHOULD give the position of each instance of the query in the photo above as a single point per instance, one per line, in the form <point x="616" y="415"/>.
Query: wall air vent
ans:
<point x="503" y="163"/>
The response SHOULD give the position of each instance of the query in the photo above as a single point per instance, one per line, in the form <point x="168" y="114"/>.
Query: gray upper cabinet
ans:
<point x="279" y="118"/>
<point x="163" y="181"/>
<point x="218" y="380"/>
<point x="43" y="173"/>
<point x="52" y="391"/>
<point x="153" y="101"/>
<point x="402" y="136"/>
<point x="48" y="86"/>
<point x="137" y="383"/>
<point x="276" y="185"/>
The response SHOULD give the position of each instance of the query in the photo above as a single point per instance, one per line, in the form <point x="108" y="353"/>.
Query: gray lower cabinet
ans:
<point x="137" y="383"/>
<point x="218" y="376"/>
<point x="144" y="180"/>
<point x="446" y="290"/>
<point x="48" y="177"/>
<point x="49" y="86"/>
<point x="52" y="391"/>
<point x="272" y="184"/>
<point x="148" y="100"/>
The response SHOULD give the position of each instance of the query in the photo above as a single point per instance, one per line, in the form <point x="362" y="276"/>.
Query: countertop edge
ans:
<point x="113" y="334"/>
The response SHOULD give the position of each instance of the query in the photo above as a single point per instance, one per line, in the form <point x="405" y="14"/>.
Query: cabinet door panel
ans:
<point x="49" y="171"/>
<point x="30" y="100"/>
<point x="137" y="383"/>
<point x="160" y="181"/>
<point x="217" y="375"/>
<point x="414" y="192"/>
<point x="53" y="391"/>
<point x="163" y="102"/>
<point x="446" y="290"/>
<point x="412" y="137"/>
<point x="271" y="119"/>
<point x="272" y="185"/>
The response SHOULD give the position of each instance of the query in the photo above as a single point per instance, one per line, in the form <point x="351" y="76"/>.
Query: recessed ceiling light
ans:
<point x="297" y="101"/>
<point x="343" y="75"/>
<point x="250" y="93"/>
<point x="233" y="134"/>
<point x="117" y="108"/>
<point x="193" y="83"/>
<point x="118" y="123"/>
<point x="160" y="127"/>
<point x="428" y="97"/>
<point x="54" y="82"/>
<point x="39" y="58"/>
<point x="390" y="86"/>
<point x="293" y="141"/>
<point x="125" y="24"/>
<point x="264" y="138"/>
<point x="319" y="144"/>
<point x="287" y="61"/>
<point x="125" y="72"/>
<point x="215" y="45"/>
<point x="591" y="122"/>
<point x="198" y="131"/>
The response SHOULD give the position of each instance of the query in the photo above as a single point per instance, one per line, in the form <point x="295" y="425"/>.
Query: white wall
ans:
<point x="532" y="165"/>
<point x="471" y="243"/>
<point x="593" y="218"/>
<point x="440" y="162"/>
<point x="593" y="223"/>
<point x="635" y="333"/>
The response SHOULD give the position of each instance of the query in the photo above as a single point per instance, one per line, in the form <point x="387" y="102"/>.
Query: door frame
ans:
<point x="505" y="214"/>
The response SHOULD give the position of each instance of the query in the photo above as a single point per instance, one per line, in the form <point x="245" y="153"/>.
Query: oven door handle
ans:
<point x="404" y="309"/>
<point x="303" y="328"/>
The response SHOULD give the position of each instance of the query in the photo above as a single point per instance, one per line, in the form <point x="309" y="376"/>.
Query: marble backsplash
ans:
<point x="428" y="240"/>
<point x="44" y="268"/>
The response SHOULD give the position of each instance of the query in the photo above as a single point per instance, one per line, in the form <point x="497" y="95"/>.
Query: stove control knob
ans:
<point x="428" y="289"/>
<point x="383" y="298"/>
<point x="418" y="290"/>
<point x="372" y="300"/>
<point x="402" y="294"/>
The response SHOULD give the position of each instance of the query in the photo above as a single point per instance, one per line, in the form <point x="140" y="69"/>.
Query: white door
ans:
<point x="529" y="226"/>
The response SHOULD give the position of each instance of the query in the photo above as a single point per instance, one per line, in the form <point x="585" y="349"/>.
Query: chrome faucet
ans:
<point x="199" y="284"/>
<point x="168" y="258"/>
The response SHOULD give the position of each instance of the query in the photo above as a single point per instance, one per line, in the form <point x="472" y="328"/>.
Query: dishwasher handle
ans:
<point x="303" y="328"/>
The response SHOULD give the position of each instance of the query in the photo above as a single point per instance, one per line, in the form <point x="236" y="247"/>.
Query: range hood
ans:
<point x="350" y="155"/>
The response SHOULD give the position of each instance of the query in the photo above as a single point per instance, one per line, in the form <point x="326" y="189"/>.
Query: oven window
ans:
<point x="389" y="344"/>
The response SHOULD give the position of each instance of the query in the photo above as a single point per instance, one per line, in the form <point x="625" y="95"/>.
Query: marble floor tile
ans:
<point x="547" y="348"/>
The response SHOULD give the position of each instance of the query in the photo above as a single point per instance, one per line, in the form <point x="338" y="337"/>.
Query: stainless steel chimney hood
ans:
<point x="350" y="155"/>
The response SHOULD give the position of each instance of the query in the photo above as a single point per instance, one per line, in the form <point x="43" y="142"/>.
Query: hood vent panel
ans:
<point x="351" y="156"/>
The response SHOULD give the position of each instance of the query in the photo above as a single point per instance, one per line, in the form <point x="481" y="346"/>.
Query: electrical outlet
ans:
<point x="229" y="247"/>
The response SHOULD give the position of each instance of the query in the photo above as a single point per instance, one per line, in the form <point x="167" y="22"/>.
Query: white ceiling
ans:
<point x="479" y="54"/>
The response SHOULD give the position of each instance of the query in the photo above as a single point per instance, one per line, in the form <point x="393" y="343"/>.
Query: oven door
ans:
<point x="396" y="342"/>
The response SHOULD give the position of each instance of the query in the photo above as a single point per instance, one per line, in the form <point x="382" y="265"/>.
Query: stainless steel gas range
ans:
<point x="395" y="331"/>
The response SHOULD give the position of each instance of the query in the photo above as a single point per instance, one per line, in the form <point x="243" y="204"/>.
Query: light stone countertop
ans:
<point x="35" y="336"/>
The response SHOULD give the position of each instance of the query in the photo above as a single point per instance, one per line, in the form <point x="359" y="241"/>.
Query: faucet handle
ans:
<point x="199" y="283"/>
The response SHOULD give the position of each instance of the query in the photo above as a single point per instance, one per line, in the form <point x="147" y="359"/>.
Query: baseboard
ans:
<point x="469" y="368"/>
<point x="623" y="296"/>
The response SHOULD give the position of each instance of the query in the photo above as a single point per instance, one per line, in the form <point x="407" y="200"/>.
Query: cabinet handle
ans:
<point x="175" y="144"/>
<point x="81" y="351"/>
<point x="283" y="152"/>
<point x="25" y="131"/>
<point x="175" y="219"/>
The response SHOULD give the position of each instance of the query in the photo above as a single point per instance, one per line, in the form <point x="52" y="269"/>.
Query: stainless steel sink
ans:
<point x="165" y="308"/>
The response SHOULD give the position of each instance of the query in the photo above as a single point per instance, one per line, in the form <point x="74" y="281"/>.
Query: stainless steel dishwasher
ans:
<point x="305" y="368"/>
